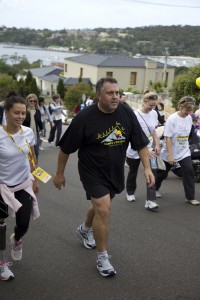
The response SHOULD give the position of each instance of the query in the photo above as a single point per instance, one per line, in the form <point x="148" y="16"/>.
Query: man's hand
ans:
<point x="150" y="179"/>
<point x="58" y="181"/>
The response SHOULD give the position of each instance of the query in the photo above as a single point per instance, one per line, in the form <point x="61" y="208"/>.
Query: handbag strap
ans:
<point x="144" y="122"/>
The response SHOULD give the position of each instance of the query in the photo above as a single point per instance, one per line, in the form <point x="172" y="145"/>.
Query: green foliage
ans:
<point x="29" y="78"/>
<point x="7" y="83"/>
<point x="180" y="71"/>
<point x="133" y="90"/>
<point x="185" y="85"/>
<point x="32" y="87"/>
<point x="7" y="69"/>
<point x="61" y="88"/>
<point x="74" y="94"/>
<point x="147" y="40"/>
<point x="157" y="86"/>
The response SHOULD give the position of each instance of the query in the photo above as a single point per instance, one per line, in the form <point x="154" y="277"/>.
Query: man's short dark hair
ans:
<point x="103" y="80"/>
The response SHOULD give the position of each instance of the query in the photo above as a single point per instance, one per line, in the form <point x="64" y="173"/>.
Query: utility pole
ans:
<point x="166" y="53"/>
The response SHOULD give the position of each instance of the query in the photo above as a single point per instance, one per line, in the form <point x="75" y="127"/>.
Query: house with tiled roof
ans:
<point x="47" y="79"/>
<point x="134" y="72"/>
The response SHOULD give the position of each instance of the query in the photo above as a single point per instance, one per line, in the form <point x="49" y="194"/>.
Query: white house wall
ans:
<point x="144" y="75"/>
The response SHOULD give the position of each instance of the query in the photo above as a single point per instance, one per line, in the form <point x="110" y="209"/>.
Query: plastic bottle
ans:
<point x="153" y="162"/>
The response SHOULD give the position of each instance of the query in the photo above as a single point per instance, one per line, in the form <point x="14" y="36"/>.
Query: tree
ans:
<point x="29" y="78"/>
<point x="185" y="85"/>
<point x="7" y="83"/>
<point x="61" y="88"/>
<point x="32" y="88"/>
<point x="74" y="94"/>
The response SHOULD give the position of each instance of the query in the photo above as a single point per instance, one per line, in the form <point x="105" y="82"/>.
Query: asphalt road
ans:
<point x="156" y="254"/>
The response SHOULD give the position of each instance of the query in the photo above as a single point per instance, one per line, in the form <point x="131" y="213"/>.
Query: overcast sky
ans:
<point x="80" y="14"/>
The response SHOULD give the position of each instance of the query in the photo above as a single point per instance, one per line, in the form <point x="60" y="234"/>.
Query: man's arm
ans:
<point x="144" y="156"/>
<point x="59" y="178"/>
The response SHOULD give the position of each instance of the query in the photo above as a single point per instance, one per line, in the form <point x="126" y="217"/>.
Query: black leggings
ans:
<point x="22" y="215"/>
<point x="131" y="182"/>
<point x="188" y="177"/>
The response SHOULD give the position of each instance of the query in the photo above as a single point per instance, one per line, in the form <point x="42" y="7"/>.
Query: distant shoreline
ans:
<point x="17" y="46"/>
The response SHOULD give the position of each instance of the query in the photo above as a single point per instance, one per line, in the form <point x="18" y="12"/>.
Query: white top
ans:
<point x="45" y="115"/>
<point x="89" y="102"/>
<point x="14" y="165"/>
<point x="178" y="129"/>
<point x="57" y="111"/>
<point x="197" y="112"/>
<point x="151" y="119"/>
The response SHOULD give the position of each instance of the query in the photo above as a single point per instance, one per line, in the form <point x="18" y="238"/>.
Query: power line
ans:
<point x="165" y="4"/>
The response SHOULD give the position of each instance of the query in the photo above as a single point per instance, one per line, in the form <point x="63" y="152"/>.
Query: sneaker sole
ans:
<point x="111" y="274"/>
<point x="84" y="241"/>
<point x="152" y="209"/>
<point x="188" y="202"/>
<point x="7" y="279"/>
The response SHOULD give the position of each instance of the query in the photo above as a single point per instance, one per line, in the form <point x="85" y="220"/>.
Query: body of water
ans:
<point x="33" y="54"/>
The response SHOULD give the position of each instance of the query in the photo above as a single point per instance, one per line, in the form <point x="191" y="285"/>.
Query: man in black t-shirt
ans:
<point x="101" y="133"/>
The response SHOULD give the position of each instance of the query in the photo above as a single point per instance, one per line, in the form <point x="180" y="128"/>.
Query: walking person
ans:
<point x="101" y="133"/>
<point x="17" y="184"/>
<point x="33" y="120"/>
<point x="57" y="113"/>
<point x="176" y="148"/>
<point x="45" y="116"/>
<point x="148" y="119"/>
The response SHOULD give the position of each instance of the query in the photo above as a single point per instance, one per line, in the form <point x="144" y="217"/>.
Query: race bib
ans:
<point x="182" y="141"/>
<point x="42" y="175"/>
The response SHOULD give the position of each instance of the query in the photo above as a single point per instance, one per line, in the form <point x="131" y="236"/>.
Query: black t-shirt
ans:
<point x="102" y="140"/>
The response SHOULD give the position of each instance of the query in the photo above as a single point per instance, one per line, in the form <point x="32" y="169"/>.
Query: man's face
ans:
<point x="108" y="97"/>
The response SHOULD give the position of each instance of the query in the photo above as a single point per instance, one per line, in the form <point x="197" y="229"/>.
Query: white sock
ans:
<point x="84" y="228"/>
<point x="102" y="254"/>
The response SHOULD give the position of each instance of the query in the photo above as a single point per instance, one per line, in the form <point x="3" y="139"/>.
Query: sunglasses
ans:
<point x="33" y="101"/>
<point x="152" y="97"/>
<point x="188" y="100"/>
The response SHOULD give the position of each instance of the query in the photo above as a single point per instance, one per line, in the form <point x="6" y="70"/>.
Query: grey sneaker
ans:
<point x="16" y="248"/>
<point x="104" y="266"/>
<point x="158" y="195"/>
<point x="86" y="237"/>
<point x="151" y="205"/>
<point x="193" y="202"/>
<point x="5" y="273"/>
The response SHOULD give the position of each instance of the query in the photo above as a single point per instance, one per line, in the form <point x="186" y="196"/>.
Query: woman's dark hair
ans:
<point x="12" y="98"/>
<point x="100" y="83"/>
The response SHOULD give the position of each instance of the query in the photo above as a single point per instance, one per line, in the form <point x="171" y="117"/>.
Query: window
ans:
<point x="65" y="68"/>
<point x="165" y="77"/>
<point x="81" y="72"/>
<point x="133" y="78"/>
<point x="109" y="74"/>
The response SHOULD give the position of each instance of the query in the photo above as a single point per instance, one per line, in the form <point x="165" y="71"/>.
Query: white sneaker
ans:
<point x="104" y="266"/>
<point x="193" y="202"/>
<point x="158" y="195"/>
<point x="86" y="237"/>
<point x="130" y="197"/>
<point x="151" y="205"/>
<point x="16" y="248"/>
<point x="41" y="148"/>
<point x="5" y="273"/>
